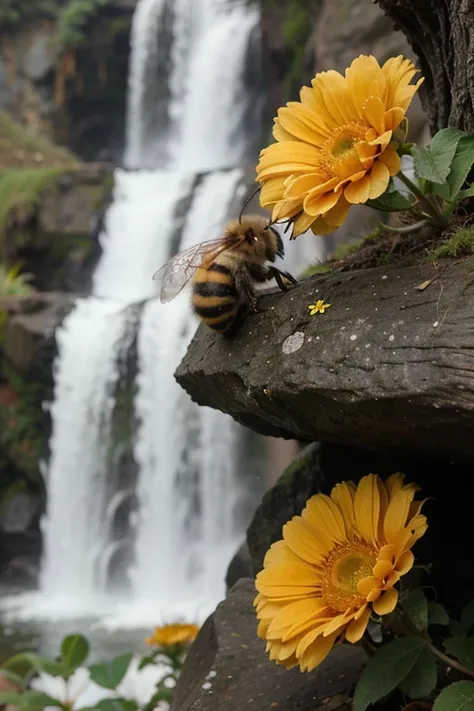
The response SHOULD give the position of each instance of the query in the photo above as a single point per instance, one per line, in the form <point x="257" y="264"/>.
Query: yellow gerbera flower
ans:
<point x="318" y="308"/>
<point x="337" y="562"/>
<point x="170" y="635"/>
<point x="334" y="147"/>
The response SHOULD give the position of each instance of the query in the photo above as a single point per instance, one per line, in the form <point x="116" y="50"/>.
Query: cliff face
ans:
<point x="76" y="97"/>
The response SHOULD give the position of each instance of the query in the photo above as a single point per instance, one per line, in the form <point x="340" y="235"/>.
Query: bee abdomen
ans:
<point x="215" y="298"/>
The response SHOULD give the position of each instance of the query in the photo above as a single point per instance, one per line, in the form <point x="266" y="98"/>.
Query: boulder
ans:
<point x="387" y="366"/>
<point x="27" y="334"/>
<point x="285" y="499"/>
<point x="19" y="511"/>
<point x="227" y="668"/>
<point x="239" y="567"/>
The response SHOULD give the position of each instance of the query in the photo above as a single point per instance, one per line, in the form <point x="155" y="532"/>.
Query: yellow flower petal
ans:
<point x="379" y="177"/>
<point x="334" y="566"/>
<point x="367" y="508"/>
<point x="356" y="628"/>
<point x="405" y="563"/>
<point x="397" y="512"/>
<point x="382" y="569"/>
<point x="386" y="602"/>
<point x="358" y="193"/>
<point x="391" y="159"/>
<point x="316" y="652"/>
<point x="324" y="514"/>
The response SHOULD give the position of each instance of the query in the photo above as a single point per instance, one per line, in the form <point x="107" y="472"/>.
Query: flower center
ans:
<point x="346" y="565"/>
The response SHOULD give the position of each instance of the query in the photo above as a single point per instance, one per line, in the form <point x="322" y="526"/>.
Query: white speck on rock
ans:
<point x="353" y="337"/>
<point x="293" y="343"/>
<point x="436" y="324"/>
<point x="385" y="276"/>
<point x="212" y="674"/>
<point x="207" y="685"/>
<point x="391" y="338"/>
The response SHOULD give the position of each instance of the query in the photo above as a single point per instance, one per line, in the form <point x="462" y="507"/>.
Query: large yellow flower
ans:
<point x="337" y="562"/>
<point x="334" y="147"/>
<point x="169" y="635"/>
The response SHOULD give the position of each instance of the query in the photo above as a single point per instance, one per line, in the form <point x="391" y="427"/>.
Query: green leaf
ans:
<point x="11" y="676"/>
<point x="23" y="663"/>
<point x="423" y="677"/>
<point x="111" y="673"/>
<point x="389" y="666"/>
<point x="434" y="163"/>
<point x="415" y="606"/>
<point x="392" y="202"/>
<point x="54" y="668"/>
<point x="437" y="614"/>
<point x="118" y="704"/>
<point x="467" y="617"/>
<point x="74" y="650"/>
<point x="462" y="648"/>
<point x="461" y="165"/>
<point x="28" y="699"/>
<point x="467" y="193"/>
<point x="457" y="697"/>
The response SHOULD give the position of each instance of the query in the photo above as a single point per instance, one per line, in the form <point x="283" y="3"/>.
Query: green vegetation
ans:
<point x="73" y="657"/>
<point x="316" y="269"/>
<point x="21" y="422"/>
<point x="13" y="282"/>
<point x="460" y="244"/>
<point x="19" y="147"/>
<point x="72" y="16"/>
<point x="21" y="188"/>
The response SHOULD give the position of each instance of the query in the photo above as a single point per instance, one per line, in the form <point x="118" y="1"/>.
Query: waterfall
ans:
<point x="193" y="123"/>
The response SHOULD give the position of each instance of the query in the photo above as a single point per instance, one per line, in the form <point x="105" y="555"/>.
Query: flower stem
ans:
<point x="425" y="203"/>
<point x="448" y="660"/>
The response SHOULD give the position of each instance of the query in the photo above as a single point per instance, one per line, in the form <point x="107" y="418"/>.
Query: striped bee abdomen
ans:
<point x="215" y="298"/>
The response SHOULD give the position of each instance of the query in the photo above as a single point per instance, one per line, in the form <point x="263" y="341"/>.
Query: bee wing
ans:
<point x="178" y="271"/>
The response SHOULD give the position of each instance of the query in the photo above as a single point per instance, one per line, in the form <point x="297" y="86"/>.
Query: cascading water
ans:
<point x="190" y="112"/>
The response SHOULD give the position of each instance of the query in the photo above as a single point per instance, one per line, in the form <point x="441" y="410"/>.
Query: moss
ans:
<point x="18" y="147"/>
<point x="21" y="188"/>
<point x="316" y="269"/>
<point x="460" y="244"/>
<point x="345" y="250"/>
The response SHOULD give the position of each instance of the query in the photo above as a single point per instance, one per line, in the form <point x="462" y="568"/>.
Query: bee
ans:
<point x="224" y="271"/>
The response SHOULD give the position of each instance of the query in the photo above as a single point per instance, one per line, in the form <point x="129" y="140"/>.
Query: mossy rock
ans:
<point x="300" y="480"/>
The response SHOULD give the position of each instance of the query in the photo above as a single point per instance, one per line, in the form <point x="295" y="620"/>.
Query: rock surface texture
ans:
<point x="387" y="366"/>
<point x="227" y="668"/>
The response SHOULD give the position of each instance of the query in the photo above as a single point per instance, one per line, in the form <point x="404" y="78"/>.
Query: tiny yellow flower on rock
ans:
<point x="169" y="635"/>
<point x="337" y="146"/>
<point x="318" y="308"/>
<point x="337" y="563"/>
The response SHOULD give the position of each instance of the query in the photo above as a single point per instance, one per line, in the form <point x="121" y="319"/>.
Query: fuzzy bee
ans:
<point x="224" y="271"/>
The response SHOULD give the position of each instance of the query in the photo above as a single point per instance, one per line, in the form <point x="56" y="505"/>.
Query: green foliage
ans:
<point x="21" y="189"/>
<point x="73" y="653"/>
<point x="13" y="282"/>
<point x="434" y="162"/>
<point x="387" y="669"/>
<point x="21" y="421"/>
<point x="444" y="166"/>
<point x="75" y="17"/>
<point x="422" y="678"/>
<point x="316" y="269"/>
<point x="460" y="244"/>
<point x="72" y="16"/>
<point x="18" y="146"/>
<point x="437" y="614"/>
<point x="462" y="648"/>
<point x="457" y="697"/>
<point x="392" y="201"/>
<point x="111" y="673"/>
<point x="415" y="608"/>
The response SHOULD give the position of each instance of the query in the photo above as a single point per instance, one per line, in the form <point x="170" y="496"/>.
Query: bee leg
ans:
<point x="278" y="275"/>
<point x="243" y="284"/>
